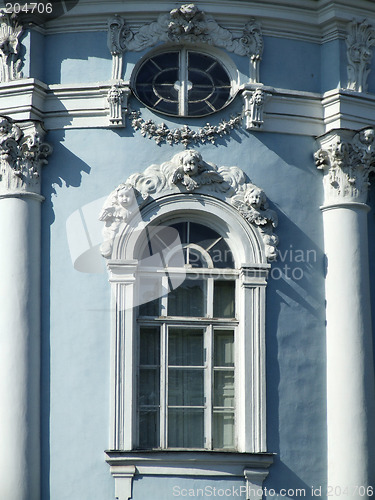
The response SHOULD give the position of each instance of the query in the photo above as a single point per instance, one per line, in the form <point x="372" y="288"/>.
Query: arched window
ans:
<point x="188" y="268"/>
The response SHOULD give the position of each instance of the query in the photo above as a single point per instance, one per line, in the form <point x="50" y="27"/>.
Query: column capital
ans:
<point x="346" y="158"/>
<point x="22" y="154"/>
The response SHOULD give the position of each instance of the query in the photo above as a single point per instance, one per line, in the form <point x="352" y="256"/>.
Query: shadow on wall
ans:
<point x="296" y="399"/>
<point x="63" y="168"/>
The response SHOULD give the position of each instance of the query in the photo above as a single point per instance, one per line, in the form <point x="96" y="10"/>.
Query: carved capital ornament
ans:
<point x="347" y="160"/>
<point x="187" y="172"/>
<point x="22" y="154"/>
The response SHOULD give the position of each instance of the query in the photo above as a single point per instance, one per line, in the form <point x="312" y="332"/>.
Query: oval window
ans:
<point x="183" y="83"/>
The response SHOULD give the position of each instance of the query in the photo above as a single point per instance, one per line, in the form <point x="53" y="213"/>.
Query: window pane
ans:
<point x="149" y="291"/>
<point x="149" y="386"/>
<point x="189" y="299"/>
<point x="223" y="348"/>
<point x="223" y="430"/>
<point x="149" y="346"/>
<point x="224" y="388"/>
<point x="185" y="347"/>
<point x="149" y="428"/>
<point x="185" y="387"/>
<point x="224" y="292"/>
<point x="185" y="428"/>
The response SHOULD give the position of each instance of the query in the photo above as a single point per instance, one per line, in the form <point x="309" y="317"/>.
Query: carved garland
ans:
<point x="184" y="135"/>
<point x="188" y="172"/>
<point x="185" y="24"/>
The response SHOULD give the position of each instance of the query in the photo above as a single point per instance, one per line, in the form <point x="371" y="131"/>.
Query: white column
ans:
<point x="20" y="206"/>
<point x="346" y="160"/>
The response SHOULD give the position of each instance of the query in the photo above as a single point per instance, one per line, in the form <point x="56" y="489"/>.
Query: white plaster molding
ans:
<point x="254" y="102"/>
<point x="117" y="98"/>
<point x="123" y="476"/>
<point x="22" y="154"/>
<point x="193" y="463"/>
<point x="254" y="483"/>
<point x="187" y="172"/>
<point x="346" y="159"/>
<point x="360" y="39"/>
<point x="10" y="62"/>
<point x="184" y="135"/>
<point x="184" y="24"/>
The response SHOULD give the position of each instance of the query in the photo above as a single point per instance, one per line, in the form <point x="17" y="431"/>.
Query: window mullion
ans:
<point x="183" y="94"/>
<point x="164" y="297"/>
<point x="208" y="386"/>
<point x="210" y="297"/>
<point x="163" y="386"/>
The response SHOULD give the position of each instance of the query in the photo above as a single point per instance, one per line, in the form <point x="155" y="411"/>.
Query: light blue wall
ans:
<point x="334" y="64"/>
<point x="290" y="64"/>
<point x="77" y="58"/>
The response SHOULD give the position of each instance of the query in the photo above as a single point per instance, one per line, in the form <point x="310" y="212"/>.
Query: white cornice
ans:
<point x="86" y="106"/>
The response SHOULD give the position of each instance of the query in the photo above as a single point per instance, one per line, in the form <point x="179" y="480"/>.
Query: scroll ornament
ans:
<point x="185" y="24"/>
<point x="187" y="172"/>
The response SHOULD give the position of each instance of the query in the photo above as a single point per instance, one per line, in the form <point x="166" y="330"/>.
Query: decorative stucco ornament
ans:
<point x="22" y="154"/>
<point x="117" y="98"/>
<point x="359" y="41"/>
<point x="347" y="163"/>
<point x="184" y="135"/>
<point x="10" y="62"/>
<point x="187" y="172"/>
<point x="185" y="24"/>
<point x="254" y="101"/>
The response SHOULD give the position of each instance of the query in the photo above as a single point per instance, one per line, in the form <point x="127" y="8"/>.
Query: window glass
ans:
<point x="187" y="368"/>
<point x="224" y="291"/>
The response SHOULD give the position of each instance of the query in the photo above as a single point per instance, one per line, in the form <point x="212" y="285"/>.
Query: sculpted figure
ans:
<point x="192" y="171"/>
<point x="120" y="204"/>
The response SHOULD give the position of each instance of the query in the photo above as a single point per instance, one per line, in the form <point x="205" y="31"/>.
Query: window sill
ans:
<point x="253" y="467"/>
<point x="207" y="463"/>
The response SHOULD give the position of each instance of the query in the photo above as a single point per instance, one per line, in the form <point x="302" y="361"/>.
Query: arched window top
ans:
<point x="198" y="246"/>
<point x="187" y="188"/>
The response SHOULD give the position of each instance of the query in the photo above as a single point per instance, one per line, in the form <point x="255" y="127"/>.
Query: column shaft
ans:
<point x="350" y="375"/>
<point x="20" y="348"/>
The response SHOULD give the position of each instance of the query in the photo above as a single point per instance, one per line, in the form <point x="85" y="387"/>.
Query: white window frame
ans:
<point x="248" y="249"/>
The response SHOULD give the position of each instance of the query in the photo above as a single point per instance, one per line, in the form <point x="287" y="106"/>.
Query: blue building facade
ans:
<point x="246" y="122"/>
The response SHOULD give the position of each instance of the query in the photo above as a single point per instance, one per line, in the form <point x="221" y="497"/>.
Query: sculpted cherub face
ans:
<point x="255" y="197"/>
<point x="125" y="196"/>
<point x="4" y="127"/>
<point x="190" y="162"/>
